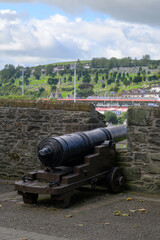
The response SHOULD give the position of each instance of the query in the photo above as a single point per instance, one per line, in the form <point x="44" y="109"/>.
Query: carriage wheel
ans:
<point x="115" y="180"/>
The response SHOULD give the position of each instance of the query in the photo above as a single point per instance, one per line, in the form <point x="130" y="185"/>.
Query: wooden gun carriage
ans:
<point x="72" y="161"/>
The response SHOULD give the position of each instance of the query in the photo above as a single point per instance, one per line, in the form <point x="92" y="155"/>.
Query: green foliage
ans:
<point x="49" y="69"/>
<point x="110" y="80"/>
<point x="137" y="79"/>
<point x="85" y="85"/>
<point x="98" y="78"/>
<point x="10" y="89"/>
<point x="41" y="90"/>
<point x="68" y="89"/>
<point x="115" y="89"/>
<point x="37" y="72"/>
<point x="111" y="117"/>
<point x="86" y="77"/>
<point x="70" y="79"/>
<point x="103" y="85"/>
<point x="7" y="73"/>
<point x="122" y="118"/>
<point x="52" y="81"/>
<point x="12" y="81"/>
<point x="53" y="88"/>
<point x="126" y="81"/>
<point x="85" y="92"/>
<point x="26" y="81"/>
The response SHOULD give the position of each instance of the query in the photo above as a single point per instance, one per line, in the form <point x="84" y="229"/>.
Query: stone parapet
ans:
<point x="141" y="160"/>
<point x="23" y="124"/>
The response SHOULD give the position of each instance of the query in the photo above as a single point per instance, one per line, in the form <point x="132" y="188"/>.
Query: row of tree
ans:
<point x="123" y="62"/>
<point x="102" y="65"/>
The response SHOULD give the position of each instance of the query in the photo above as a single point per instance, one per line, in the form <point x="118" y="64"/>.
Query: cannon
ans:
<point x="73" y="160"/>
<point x="69" y="149"/>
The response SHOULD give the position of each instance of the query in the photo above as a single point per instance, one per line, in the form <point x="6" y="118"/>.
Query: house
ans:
<point x="72" y="66"/>
<point x="87" y="66"/>
<point x="155" y="89"/>
<point x="43" y="71"/>
<point x="58" y="68"/>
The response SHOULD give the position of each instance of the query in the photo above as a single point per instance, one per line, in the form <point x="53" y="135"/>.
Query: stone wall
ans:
<point x="141" y="160"/>
<point x="23" y="124"/>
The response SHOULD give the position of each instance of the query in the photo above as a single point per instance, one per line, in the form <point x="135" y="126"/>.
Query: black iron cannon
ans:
<point x="72" y="161"/>
<point x="70" y="149"/>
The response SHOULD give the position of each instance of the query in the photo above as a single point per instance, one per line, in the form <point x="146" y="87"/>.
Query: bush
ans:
<point x="111" y="117"/>
<point x="53" y="88"/>
<point x="85" y="85"/>
<point x="52" y="81"/>
<point x="67" y="89"/>
<point x="85" y="92"/>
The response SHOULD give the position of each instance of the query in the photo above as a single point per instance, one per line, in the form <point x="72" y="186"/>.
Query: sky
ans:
<point x="37" y="32"/>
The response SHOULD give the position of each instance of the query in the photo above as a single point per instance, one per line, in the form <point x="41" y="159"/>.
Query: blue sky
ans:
<point x="43" y="11"/>
<point x="41" y="32"/>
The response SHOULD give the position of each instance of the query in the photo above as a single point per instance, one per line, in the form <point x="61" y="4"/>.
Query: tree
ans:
<point x="115" y="88"/>
<point x="12" y="81"/>
<point x="26" y="81"/>
<point x="85" y="92"/>
<point x="49" y="69"/>
<point x="111" y="117"/>
<point x="85" y="85"/>
<point x="41" y="90"/>
<point x="7" y="73"/>
<point x="103" y="85"/>
<point x="53" y="88"/>
<point x="110" y="80"/>
<point x="137" y="79"/>
<point x="96" y="77"/>
<point x="126" y="82"/>
<point x="37" y="72"/>
<point x="86" y="76"/>
<point x="70" y="79"/>
<point x="122" y="118"/>
<point x="52" y="81"/>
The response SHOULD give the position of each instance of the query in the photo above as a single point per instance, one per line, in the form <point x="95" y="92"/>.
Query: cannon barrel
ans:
<point x="64" y="150"/>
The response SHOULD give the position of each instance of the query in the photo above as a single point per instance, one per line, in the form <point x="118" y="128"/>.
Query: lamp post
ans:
<point x="23" y="71"/>
<point x="75" y="82"/>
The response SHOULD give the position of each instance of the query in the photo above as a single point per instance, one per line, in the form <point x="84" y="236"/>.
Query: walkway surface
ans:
<point x="91" y="217"/>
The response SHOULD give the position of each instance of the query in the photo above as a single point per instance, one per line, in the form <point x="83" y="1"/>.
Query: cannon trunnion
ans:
<point x="91" y="160"/>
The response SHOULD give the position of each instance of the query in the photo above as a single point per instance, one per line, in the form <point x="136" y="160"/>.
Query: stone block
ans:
<point x="156" y="112"/>
<point x="141" y="158"/>
<point x="132" y="174"/>
<point x="138" y="138"/>
<point x="148" y="178"/>
<point x="154" y="139"/>
<point x="157" y="181"/>
<point x="151" y="169"/>
<point x="138" y="116"/>
<point x="155" y="156"/>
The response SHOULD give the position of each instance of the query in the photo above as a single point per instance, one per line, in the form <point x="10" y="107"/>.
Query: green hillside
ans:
<point x="96" y="77"/>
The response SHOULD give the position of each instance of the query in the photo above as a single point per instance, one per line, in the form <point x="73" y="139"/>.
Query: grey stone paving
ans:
<point x="14" y="234"/>
<point x="92" y="217"/>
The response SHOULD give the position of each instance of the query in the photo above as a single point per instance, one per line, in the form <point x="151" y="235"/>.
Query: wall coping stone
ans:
<point x="47" y="105"/>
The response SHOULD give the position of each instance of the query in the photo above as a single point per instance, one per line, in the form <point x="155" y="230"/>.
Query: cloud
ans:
<point x="57" y="38"/>
<point x="143" y="11"/>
